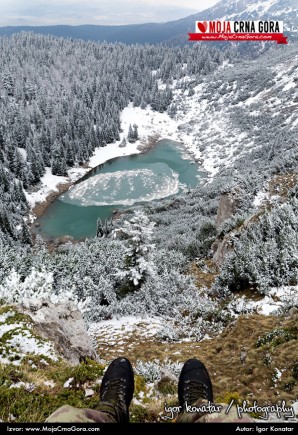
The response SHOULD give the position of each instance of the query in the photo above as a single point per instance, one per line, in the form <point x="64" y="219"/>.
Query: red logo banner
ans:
<point x="278" y="37"/>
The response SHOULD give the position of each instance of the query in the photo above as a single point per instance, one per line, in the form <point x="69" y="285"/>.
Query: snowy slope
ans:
<point x="239" y="108"/>
<point x="235" y="110"/>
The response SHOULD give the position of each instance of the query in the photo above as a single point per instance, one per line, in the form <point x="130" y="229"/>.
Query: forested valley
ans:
<point x="61" y="99"/>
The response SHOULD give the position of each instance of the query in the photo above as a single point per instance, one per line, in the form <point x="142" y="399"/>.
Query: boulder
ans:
<point x="167" y="374"/>
<point x="64" y="239"/>
<point x="63" y="325"/>
<point x="186" y="128"/>
<point x="293" y="312"/>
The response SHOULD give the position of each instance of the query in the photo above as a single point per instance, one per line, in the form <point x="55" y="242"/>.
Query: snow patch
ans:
<point x="125" y="324"/>
<point x="261" y="7"/>
<point x="50" y="384"/>
<point x="23" y="153"/>
<point x="289" y="85"/>
<point x="127" y="332"/>
<point x="25" y="343"/>
<point x="49" y="183"/>
<point x="5" y="316"/>
<point x="28" y="387"/>
<point x="278" y="373"/>
<point x="21" y="342"/>
<point x="8" y="327"/>
<point x="111" y="151"/>
<point x="67" y="384"/>
<point x="277" y="299"/>
<point x="260" y="198"/>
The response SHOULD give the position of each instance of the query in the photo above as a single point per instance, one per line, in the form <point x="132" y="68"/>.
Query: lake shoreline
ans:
<point x="86" y="171"/>
<point x="39" y="208"/>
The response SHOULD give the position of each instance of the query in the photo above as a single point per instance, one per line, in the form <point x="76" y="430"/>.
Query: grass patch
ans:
<point x="140" y="384"/>
<point x="282" y="184"/>
<point x="204" y="273"/>
<point x="230" y="396"/>
<point x="87" y="371"/>
<point x="21" y="405"/>
<point x="295" y="370"/>
<point x="167" y="386"/>
<point x="15" y="317"/>
<point x="276" y="337"/>
<point x="141" y="414"/>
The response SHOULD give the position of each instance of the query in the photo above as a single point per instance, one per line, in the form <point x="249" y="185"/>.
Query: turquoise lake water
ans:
<point x="164" y="171"/>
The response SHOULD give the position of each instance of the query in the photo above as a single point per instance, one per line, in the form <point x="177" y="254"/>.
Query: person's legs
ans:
<point x="116" y="393"/>
<point x="69" y="414"/>
<point x="117" y="390"/>
<point x="196" y="398"/>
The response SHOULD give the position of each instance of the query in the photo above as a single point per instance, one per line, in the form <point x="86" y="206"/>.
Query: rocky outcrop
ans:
<point x="226" y="208"/>
<point x="63" y="325"/>
<point x="221" y="250"/>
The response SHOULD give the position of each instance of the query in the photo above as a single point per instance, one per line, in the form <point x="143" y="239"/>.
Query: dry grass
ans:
<point x="205" y="274"/>
<point x="281" y="184"/>
<point x="253" y="379"/>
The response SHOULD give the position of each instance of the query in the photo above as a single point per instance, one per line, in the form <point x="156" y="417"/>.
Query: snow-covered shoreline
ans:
<point x="150" y="124"/>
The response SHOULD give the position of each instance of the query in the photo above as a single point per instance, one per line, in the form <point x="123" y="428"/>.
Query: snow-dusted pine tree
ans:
<point x="139" y="255"/>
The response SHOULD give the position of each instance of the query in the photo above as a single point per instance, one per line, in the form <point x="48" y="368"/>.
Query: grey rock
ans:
<point x="222" y="250"/>
<point x="243" y="355"/>
<point x="63" y="325"/>
<point x="187" y="128"/>
<point x="226" y="208"/>
<point x="64" y="239"/>
<point x="293" y="312"/>
<point x="119" y="234"/>
<point x="167" y="374"/>
<point x="62" y="243"/>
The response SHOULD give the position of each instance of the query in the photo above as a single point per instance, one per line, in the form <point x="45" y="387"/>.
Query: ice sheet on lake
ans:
<point x="156" y="181"/>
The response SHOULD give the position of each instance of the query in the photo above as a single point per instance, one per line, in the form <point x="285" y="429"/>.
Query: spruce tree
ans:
<point x="130" y="136"/>
<point x="25" y="235"/>
<point x="135" y="132"/>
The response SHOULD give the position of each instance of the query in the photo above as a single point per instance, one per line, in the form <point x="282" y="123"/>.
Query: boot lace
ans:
<point x="114" y="394"/>
<point x="195" y="390"/>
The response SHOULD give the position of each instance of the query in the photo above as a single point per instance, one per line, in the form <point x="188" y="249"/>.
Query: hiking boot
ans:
<point x="117" y="389"/>
<point x="194" y="383"/>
